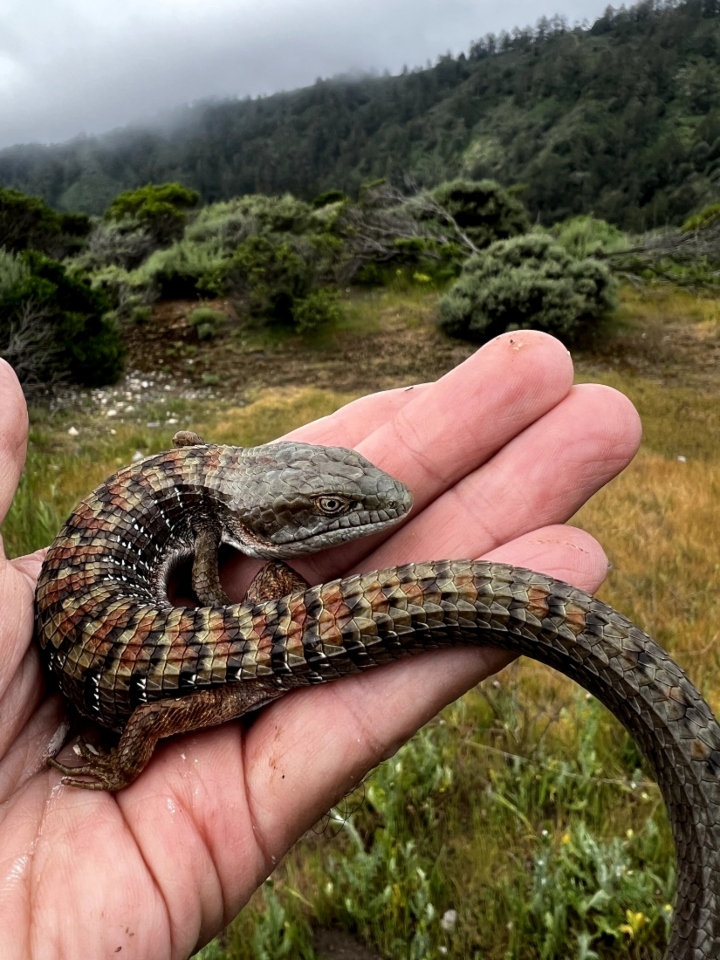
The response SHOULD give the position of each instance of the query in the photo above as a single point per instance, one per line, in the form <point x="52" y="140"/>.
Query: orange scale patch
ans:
<point x="298" y="619"/>
<point x="141" y="631"/>
<point x="538" y="604"/>
<point x="293" y="640"/>
<point x="262" y="639"/>
<point x="575" y="616"/>
<point x="414" y="592"/>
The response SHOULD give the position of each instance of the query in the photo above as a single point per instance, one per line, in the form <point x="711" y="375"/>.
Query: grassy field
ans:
<point x="521" y="824"/>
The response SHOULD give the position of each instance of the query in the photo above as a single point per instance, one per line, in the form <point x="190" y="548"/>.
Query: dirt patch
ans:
<point x="663" y="335"/>
<point x="402" y="346"/>
<point x="368" y="360"/>
<point x="335" y="945"/>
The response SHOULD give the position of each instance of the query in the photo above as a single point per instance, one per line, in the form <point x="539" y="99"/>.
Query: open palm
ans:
<point x="498" y="454"/>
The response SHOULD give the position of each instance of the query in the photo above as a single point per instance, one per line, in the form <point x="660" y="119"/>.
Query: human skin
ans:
<point x="499" y="453"/>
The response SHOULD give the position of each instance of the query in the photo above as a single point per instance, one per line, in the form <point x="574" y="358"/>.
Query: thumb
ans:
<point x="13" y="435"/>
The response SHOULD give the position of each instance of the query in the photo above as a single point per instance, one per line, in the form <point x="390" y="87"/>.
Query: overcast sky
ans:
<point x="86" y="66"/>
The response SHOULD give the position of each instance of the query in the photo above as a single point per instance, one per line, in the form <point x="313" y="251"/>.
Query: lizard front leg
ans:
<point x="205" y="573"/>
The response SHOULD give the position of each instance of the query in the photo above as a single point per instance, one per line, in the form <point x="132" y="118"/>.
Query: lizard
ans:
<point x="124" y="656"/>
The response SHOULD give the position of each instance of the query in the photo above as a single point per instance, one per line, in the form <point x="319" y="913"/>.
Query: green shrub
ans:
<point x="125" y="244"/>
<point x="527" y="282"/>
<point x="329" y="197"/>
<point x="181" y="271"/>
<point x="55" y="326"/>
<point x="140" y="314"/>
<point x="124" y="289"/>
<point x="269" y="277"/>
<point x="232" y="248"/>
<point x="586" y="236"/>
<point x="235" y="221"/>
<point x="483" y="210"/>
<point x="28" y="223"/>
<point x="13" y="269"/>
<point x="707" y="217"/>
<point x="278" y="279"/>
<point x="206" y="322"/>
<point x="319" y="308"/>
<point x="160" y="209"/>
<point x="184" y="269"/>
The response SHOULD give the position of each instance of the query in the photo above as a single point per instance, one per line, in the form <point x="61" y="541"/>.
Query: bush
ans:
<point x="124" y="244"/>
<point x="206" y="322"/>
<point x="183" y="270"/>
<point x="235" y="221"/>
<point x="329" y="197"/>
<point x="483" y="210"/>
<point x="318" y="308"/>
<point x="278" y="279"/>
<point x="268" y="277"/>
<point x="528" y="282"/>
<point x="159" y="209"/>
<point x="707" y="217"/>
<point x="586" y="236"/>
<point x="13" y="270"/>
<point x="28" y="223"/>
<point x="54" y="326"/>
<point x="140" y="314"/>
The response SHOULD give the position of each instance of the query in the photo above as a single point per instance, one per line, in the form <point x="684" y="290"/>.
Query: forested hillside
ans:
<point x="620" y="118"/>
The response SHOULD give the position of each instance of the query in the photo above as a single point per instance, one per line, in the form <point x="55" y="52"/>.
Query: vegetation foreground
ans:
<point x="521" y="823"/>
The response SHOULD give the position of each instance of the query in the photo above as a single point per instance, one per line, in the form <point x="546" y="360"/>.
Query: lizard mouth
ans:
<point x="262" y="548"/>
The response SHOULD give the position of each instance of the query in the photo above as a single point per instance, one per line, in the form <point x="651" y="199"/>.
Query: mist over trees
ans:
<point x="620" y="118"/>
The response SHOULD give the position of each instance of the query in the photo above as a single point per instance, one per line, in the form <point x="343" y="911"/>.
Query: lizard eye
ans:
<point x="332" y="506"/>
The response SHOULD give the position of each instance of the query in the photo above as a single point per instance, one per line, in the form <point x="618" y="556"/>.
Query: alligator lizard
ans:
<point x="124" y="656"/>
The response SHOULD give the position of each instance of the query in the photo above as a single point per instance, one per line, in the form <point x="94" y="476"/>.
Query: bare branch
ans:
<point x="32" y="350"/>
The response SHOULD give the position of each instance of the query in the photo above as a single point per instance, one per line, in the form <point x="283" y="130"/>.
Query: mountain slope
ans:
<point x="621" y="118"/>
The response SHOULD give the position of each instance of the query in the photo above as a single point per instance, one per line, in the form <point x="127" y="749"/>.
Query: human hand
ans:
<point x="497" y="453"/>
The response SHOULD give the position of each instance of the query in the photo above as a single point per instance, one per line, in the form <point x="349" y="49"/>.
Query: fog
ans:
<point x="82" y="66"/>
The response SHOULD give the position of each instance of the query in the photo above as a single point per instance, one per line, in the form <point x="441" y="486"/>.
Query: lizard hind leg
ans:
<point x="152" y="721"/>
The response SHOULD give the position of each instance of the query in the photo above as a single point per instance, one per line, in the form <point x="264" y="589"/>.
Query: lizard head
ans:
<point x="297" y="498"/>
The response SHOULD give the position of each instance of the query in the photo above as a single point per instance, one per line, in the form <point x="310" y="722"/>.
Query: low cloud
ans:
<point x="80" y="66"/>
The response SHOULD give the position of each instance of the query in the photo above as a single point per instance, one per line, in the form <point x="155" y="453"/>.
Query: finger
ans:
<point x="541" y="477"/>
<point x="451" y="429"/>
<point x="313" y="746"/>
<point x="352" y="423"/>
<point x="13" y="435"/>
<point x="16" y="630"/>
<point x="29" y="565"/>
<point x="16" y="591"/>
<point x="22" y="685"/>
<point x="433" y="434"/>
<point x="560" y="551"/>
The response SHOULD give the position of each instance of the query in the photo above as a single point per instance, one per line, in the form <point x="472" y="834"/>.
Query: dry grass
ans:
<point x="663" y="305"/>
<point x="660" y="522"/>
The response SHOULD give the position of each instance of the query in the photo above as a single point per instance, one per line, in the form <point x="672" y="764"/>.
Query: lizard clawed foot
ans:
<point x="101" y="772"/>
